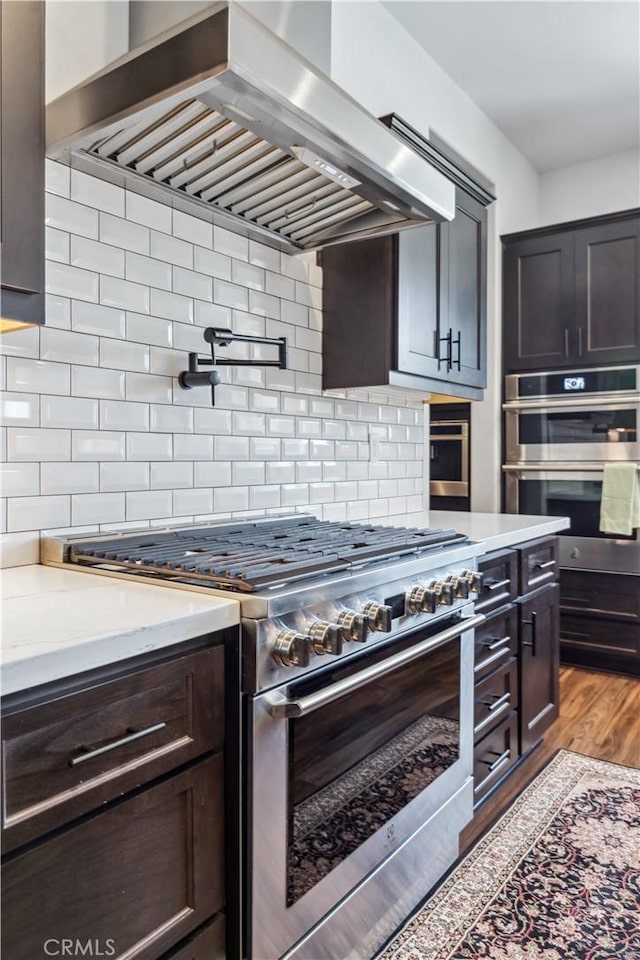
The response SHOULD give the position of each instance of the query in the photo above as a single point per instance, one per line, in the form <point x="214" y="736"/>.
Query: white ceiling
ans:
<point x="560" y="79"/>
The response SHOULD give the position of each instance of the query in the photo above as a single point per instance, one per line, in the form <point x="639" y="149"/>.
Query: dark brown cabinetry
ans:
<point x="572" y="294"/>
<point x="113" y="809"/>
<point x="516" y="658"/>
<point x="600" y="620"/>
<point x="22" y="162"/>
<point x="410" y="310"/>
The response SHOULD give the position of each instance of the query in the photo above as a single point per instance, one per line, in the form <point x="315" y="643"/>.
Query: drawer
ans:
<point x="496" y="640"/>
<point x="494" y="697"/>
<point x="499" y="580"/>
<point x="538" y="563"/>
<point x="610" y="595"/>
<point x="494" y="756"/>
<point x="68" y="755"/>
<point x="134" y="879"/>
<point x="205" y="944"/>
<point x="619" y="639"/>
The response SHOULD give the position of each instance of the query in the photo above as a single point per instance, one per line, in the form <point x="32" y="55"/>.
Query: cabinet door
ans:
<point x="463" y="289"/>
<point x="539" y="664"/>
<point x="22" y="160"/>
<point x="539" y="303"/>
<point x="418" y="293"/>
<point x="608" y="293"/>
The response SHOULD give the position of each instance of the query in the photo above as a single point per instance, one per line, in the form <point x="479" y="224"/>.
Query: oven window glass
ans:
<point x="357" y="762"/>
<point x="446" y="460"/>
<point x="577" y="499"/>
<point x="578" y="426"/>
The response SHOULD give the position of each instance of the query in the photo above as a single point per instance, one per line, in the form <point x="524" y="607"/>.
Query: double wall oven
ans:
<point x="354" y="709"/>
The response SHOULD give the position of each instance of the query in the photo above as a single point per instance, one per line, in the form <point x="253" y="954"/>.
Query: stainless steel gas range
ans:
<point x="357" y="712"/>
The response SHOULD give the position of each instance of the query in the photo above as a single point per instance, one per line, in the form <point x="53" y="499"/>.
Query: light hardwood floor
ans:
<point x="599" y="716"/>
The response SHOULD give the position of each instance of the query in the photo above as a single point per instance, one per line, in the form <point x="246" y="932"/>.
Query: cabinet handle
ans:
<point x="494" y="764"/>
<point x="133" y="735"/>
<point x="531" y="643"/>
<point x="566" y="341"/>
<point x="497" y="584"/>
<point x="545" y="566"/>
<point x="457" y="343"/>
<point x="579" y="341"/>
<point x="494" y="642"/>
<point x="497" y="703"/>
<point x="448" y="341"/>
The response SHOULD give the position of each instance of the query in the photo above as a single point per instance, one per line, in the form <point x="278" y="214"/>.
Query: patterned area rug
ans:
<point x="557" y="878"/>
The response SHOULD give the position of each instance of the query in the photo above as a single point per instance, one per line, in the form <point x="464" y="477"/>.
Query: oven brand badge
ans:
<point x="574" y="383"/>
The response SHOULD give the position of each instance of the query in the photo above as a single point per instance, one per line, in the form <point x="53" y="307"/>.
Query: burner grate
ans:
<point x="252" y="556"/>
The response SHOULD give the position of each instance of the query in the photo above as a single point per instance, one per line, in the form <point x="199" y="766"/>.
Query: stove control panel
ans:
<point x="379" y="616"/>
<point x="420" y="600"/>
<point x="325" y="637"/>
<point x="291" y="649"/>
<point x="353" y="626"/>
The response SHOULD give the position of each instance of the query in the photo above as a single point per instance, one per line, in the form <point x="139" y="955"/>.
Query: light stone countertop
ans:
<point x="495" y="530"/>
<point x="56" y="623"/>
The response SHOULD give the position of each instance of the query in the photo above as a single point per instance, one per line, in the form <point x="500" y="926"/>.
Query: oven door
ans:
<point x="449" y="458"/>
<point x="583" y="430"/>
<point x="567" y="492"/>
<point x="346" y="765"/>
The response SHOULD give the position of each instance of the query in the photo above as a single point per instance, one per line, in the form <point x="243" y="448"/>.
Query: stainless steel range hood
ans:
<point x="221" y="119"/>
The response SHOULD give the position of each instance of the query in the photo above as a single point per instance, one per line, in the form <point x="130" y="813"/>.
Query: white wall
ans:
<point x="81" y="38"/>
<point x="380" y="64"/>
<point x="591" y="188"/>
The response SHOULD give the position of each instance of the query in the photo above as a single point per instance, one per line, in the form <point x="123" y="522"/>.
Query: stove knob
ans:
<point x="461" y="586"/>
<point x="378" y="616"/>
<point x="421" y="600"/>
<point x="474" y="579"/>
<point x="353" y="626"/>
<point x="291" y="649"/>
<point x="325" y="637"/>
<point x="443" y="591"/>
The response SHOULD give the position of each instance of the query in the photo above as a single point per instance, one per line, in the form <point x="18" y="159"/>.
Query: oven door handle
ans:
<point x="280" y="708"/>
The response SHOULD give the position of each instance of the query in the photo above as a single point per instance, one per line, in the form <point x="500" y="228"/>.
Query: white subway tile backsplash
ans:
<point x="69" y="413"/>
<point x="150" y="213"/>
<point x="308" y="339"/>
<point x="295" y="449"/>
<point x="119" y="415"/>
<point x="192" y="284"/>
<point x="93" y="508"/>
<point x="322" y="450"/>
<point x="192" y="229"/>
<point x="57" y="178"/>
<point x="232" y="397"/>
<point x="124" y="294"/>
<point x="171" y="250"/>
<point x="310" y="296"/>
<point x="264" y="497"/>
<point x="97" y="445"/>
<point x="37" y="513"/>
<point x="280" y="426"/>
<point x="124" y="355"/>
<point x="294" y="494"/>
<point x="97" y="382"/>
<point x="171" y="306"/>
<point x="280" y="472"/>
<point x="279" y="286"/>
<point x="191" y="502"/>
<point x="56" y="245"/>
<point x="231" y="244"/>
<point x="73" y="217"/>
<point x="231" y="448"/>
<point x="264" y="448"/>
<point x="96" y="319"/>
<point x="149" y="446"/>
<point x="124" y="233"/>
<point x="211" y="315"/>
<point x="229" y="499"/>
<point x="212" y="263"/>
<point x="308" y="470"/>
<point x="97" y="193"/>
<point x="70" y="477"/>
<point x="306" y="427"/>
<point x="149" y="505"/>
<point x="264" y="304"/>
<point x="264" y="401"/>
<point x="69" y="281"/>
<point x="230" y="295"/>
<point x="20" y="479"/>
<point x="245" y="473"/>
<point x="213" y="421"/>
<point x="57" y="311"/>
<point x="146" y="270"/>
<point x="170" y="419"/>
<point x="34" y="444"/>
<point x="149" y="330"/>
<point x="192" y="447"/>
<point x="20" y="409"/>
<point x="168" y="476"/>
<point x="212" y="473"/>
<point x="295" y="313"/>
<point x="280" y="379"/>
<point x="21" y="343"/>
<point x="247" y="275"/>
<point x="346" y="490"/>
<point x="189" y="338"/>
<point x="148" y="388"/>
<point x="321" y="492"/>
<point x="115" y="477"/>
<point x="248" y="424"/>
<point x="264" y="256"/>
<point x="101" y="257"/>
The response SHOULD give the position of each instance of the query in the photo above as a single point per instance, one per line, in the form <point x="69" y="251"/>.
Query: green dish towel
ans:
<point x="620" y="506"/>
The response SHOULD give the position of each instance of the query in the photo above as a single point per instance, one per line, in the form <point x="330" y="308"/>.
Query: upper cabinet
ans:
<point x="22" y="162"/>
<point x="572" y="294"/>
<point x="409" y="310"/>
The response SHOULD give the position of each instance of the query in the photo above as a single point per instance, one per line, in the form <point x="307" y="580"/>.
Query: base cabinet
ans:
<point x="516" y="658"/>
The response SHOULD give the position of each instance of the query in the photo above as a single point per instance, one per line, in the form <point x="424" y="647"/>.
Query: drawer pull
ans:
<point x="494" y="642"/>
<point x="494" y="764"/>
<point x="498" y="701"/>
<point x="134" y="735"/>
<point x="545" y="566"/>
<point x="574" y="633"/>
<point x="531" y="643"/>
<point x="492" y="585"/>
